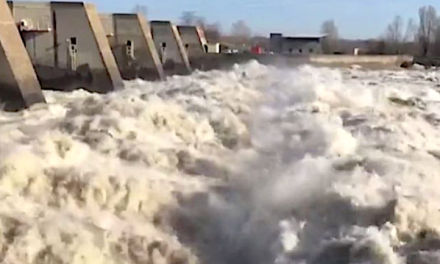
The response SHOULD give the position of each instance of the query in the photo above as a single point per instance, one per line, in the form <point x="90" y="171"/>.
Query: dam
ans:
<point x="133" y="46"/>
<point x="19" y="86"/>
<point x="250" y="157"/>
<point x="66" y="46"/>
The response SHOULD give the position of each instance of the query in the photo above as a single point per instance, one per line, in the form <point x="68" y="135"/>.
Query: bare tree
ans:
<point x="188" y="18"/>
<point x="330" y="44"/>
<point x="140" y="9"/>
<point x="427" y="27"/>
<point x="394" y="35"/>
<point x="212" y="32"/>
<point x="200" y="21"/>
<point x="376" y="47"/>
<point x="410" y="33"/>
<point x="394" y="30"/>
<point x="241" y="31"/>
<point x="436" y="46"/>
<point x="399" y="40"/>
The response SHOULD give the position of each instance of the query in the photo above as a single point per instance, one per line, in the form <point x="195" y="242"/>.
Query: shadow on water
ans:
<point x="220" y="227"/>
<point x="226" y="225"/>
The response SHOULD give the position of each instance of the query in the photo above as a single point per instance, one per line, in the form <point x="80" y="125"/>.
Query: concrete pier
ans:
<point x="194" y="41"/>
<point x="132" y="44"/>
<point x="19" y="85"/>
<point x="196" y="46"/>
<point x="67" y="45"/>
<point x="170" y="47"/>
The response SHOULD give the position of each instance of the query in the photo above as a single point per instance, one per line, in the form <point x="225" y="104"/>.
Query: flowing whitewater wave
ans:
<point x="342" y="168"/>
<point x="252" y="165"/>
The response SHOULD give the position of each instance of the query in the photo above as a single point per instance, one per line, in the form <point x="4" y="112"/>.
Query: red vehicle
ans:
<point x="257" y="50"/>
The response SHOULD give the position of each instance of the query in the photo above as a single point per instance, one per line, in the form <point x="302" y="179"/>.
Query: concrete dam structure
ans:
<point x="194" y="41"/>
<point x="196" y="46"/>
<point x="170" y="47"/>
<point x="132" y="44"/>
<point x="67" y="45"/>
<point x="19" y="85"/>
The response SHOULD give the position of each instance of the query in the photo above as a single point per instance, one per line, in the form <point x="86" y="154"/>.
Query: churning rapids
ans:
<point x="254" y="165"/>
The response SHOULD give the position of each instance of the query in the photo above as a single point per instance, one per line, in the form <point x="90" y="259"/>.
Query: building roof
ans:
<point x="304" y="36"/>
<point x="307" y="36"/>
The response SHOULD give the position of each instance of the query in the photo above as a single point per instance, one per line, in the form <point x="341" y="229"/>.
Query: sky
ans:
<point x="356" y="19"/>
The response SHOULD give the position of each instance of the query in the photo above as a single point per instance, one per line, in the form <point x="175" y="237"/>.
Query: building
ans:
<point x="213" y="48"/>
<point x="296" y="44"/>
<point x="130" y="38"/>
<point x="67" y="45"/>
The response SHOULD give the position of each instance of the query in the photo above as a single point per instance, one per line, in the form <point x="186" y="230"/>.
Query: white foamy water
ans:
<point x="253" y="165"/>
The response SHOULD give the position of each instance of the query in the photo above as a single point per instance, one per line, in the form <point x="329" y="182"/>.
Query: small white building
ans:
<point x="213" y="47"/>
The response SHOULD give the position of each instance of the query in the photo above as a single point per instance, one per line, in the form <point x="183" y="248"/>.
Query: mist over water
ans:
<point x="252" y="165"/>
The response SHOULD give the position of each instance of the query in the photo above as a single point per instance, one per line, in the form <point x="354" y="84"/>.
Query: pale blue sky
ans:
<point x="355" y="18"/>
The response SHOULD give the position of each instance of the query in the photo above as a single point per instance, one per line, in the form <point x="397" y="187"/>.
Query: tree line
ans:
<point x="400" y="36"/>
<point x="408" y="37"/>
<point x="240" y="31"/>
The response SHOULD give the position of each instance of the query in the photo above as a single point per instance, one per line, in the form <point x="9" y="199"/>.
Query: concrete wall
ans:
<point x="295" y="45"/>
<point x="50" y="27"/>
<point x="226" y="61"/>
<point x="276" y="42"/>
<point x="170" y="47"/>
<point x="301" y="46"/>
<point x="133" y="28"/>
<point x="39" y="37"/>
<point x="427" y="61"/>
<point x="81" y="21"/>
<point x="363" y="59"/>
<point x="19" y="85"/>
<point x="193" y="41"/>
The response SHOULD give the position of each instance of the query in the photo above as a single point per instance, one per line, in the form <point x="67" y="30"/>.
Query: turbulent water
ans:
<point x="253" y="165"/>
